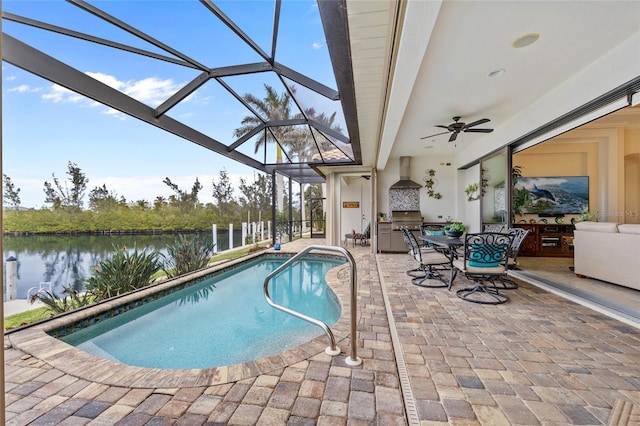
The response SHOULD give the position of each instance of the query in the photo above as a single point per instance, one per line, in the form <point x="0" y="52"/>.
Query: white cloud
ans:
<point x="151" y="90"/>
<point x="11" y="77"/>
<point x="316" y="45"/>
<point x="24" y="88"/>
<point x="58" y="93"/>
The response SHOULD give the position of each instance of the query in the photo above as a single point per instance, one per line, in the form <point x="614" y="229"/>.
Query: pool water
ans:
<point x="220" y="321"/>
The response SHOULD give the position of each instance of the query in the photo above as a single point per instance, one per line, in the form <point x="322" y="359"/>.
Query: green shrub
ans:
<point x="71" y="300"/>
<point x="124" y="272"/>
<point x="187" y="254"/>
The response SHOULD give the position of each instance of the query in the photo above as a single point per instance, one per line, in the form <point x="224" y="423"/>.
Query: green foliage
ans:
<point x="125" y="271"/>
<point x="123" y="218"/>
<point x="109" y="212"/>
<point x="63" y="196"/>
<point x="71" y="300"/>
<point x="101" y="199"/>
<point x="455" y="226"/>
<point x="186" y="201"/>
<point x="188" y="253"/>
<point x="10" y="194"/>
<point x="589" y="217"/>
<point x="520" y="196"/>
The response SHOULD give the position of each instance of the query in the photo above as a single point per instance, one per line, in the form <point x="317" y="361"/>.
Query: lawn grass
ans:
<point x="26" y="317"/>
<point x="234" y="254"/>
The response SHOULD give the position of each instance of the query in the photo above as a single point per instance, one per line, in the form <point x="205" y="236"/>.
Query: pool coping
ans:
<point x="35" y="341"/>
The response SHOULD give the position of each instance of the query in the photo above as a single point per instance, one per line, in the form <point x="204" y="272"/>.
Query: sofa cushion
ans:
<point x="597" y="226"/>
<point x="629" y="228"/>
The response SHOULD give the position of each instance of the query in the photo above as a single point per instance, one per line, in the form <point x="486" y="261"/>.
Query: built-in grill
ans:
<point x="406" y="219"/>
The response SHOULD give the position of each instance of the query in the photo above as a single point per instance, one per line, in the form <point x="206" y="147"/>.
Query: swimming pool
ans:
<point x="221" y="320"/>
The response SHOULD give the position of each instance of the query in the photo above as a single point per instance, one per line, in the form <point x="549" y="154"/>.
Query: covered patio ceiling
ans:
<point x="298" y="108"/>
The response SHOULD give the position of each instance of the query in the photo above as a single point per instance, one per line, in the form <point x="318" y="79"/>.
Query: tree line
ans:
<point x="106" y="211"/>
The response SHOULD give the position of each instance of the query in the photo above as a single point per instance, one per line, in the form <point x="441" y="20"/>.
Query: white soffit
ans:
<point x="371" y="27"/>
<point x="419" y="20"/>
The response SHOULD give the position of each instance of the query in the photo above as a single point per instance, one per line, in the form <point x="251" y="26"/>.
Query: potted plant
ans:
<point x="472" y="192"/>
<point x="588" y="216"/>
<point x="520" y="196"/>
<point x="454" y="229"/>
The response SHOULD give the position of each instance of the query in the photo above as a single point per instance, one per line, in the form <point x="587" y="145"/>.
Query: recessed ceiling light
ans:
<point x="497" y="73"/>
<point x="526" y="40"/>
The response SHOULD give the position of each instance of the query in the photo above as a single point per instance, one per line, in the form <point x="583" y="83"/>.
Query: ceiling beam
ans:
<point x="336" y="31"/>
<point x="132" y="30"/>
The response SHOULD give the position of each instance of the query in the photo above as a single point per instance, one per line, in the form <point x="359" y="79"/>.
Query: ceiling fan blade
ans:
<point x="441" y="126"/>
<point x="453" y="137"/>
<point x="475" y="123"/>
<point x="437" y="134"/>
<point x="478" y="130"/>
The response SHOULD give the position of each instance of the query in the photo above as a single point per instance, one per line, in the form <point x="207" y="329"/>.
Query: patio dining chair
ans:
<point x="494" y="227"/>
<point x="483" y="261"/>
<point x="428" y="262"/>
<point x="519" y="234"/>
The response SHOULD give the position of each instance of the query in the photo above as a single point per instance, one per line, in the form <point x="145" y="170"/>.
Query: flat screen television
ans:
<point x="553" y="195"/>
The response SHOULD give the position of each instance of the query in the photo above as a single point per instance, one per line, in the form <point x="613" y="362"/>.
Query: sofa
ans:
<point x="608" y="252"/>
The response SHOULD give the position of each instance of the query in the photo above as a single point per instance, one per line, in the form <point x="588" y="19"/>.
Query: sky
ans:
<point x="46" y="126"/>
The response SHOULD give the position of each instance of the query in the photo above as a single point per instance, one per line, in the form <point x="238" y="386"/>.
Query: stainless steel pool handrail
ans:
<point x="353" y="359"/>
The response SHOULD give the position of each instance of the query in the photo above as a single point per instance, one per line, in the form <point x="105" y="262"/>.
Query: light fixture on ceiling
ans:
<point x="525" y="40"/>
<point x="497" y="73"/>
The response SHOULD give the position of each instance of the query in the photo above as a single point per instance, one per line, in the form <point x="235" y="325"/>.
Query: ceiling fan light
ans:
<point x="525" y="40"/>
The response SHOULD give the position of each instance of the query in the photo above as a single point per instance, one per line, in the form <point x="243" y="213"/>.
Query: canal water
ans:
<point x="68" y="260"/>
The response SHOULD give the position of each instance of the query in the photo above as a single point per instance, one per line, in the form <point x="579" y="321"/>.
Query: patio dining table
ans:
<point x="450" y="244"/>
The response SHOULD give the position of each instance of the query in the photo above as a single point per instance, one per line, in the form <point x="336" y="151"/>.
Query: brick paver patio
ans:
<point x="537" y="359"/>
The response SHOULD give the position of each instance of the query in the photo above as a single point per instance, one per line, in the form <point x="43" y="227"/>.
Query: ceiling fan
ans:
<point x="456" y="127"/>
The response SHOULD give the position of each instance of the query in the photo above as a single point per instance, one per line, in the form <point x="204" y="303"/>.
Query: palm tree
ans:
<point x="302" y="146"/>
<point x="274" y="107"/>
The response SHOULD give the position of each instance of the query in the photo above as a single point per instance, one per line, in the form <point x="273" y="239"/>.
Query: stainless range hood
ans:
<point x="405" y="181"/>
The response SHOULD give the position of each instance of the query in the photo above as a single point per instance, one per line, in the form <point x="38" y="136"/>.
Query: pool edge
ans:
<point x="35" y="341"/>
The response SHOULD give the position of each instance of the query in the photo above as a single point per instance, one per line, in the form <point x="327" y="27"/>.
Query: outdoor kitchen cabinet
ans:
<point x="390" y="240"/>
<point x="384" y="236"/>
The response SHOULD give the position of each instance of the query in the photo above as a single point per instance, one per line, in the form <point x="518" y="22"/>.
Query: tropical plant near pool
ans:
<point x="71" y="300"/>
<point x="124" y="272"/>
<point x="187" y="254"/>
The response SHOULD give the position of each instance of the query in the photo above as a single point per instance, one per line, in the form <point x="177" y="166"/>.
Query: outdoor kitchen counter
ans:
<point x="390" y="240"/>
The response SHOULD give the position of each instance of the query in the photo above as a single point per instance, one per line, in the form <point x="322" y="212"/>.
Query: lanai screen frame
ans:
<point x="335" y="26"/>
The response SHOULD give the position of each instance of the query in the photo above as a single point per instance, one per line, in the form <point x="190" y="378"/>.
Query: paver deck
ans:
<point x="435" y="359"/>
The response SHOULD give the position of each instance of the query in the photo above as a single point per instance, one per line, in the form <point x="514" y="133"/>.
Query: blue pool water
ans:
<point x="220" y="321"/>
